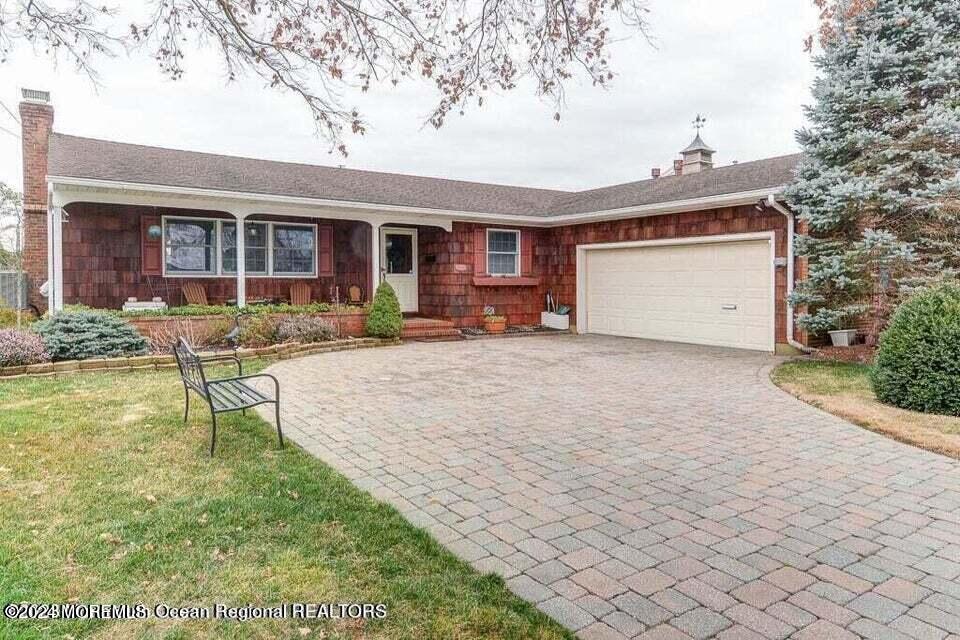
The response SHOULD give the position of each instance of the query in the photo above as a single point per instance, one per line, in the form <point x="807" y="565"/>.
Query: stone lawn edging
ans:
<point x="167" y="361"/>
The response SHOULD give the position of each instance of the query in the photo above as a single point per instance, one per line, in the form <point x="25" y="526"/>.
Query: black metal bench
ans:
<point x="222" y="394"/>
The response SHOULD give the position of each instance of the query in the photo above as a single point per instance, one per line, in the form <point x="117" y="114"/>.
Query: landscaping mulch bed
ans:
<point x="511" y="331"/>
<point x="858" y="353"/>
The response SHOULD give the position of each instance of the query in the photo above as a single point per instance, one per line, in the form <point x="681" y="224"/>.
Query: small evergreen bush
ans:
<point x="305" y="329"/>
<point x="385" y="319"/>
<point x="18" y="348"/>
<point x="89" y="334"/>
<point x="918" y="364"/>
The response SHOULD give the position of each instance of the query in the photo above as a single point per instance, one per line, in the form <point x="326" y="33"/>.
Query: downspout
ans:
<point x="773" y="204"/>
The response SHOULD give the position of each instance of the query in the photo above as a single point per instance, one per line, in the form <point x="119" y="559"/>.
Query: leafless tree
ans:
<point x="317" y="49"/>
<point x="11" y="221"/>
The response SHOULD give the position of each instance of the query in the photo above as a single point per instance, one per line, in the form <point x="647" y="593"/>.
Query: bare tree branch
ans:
<point x="319" y="49"/>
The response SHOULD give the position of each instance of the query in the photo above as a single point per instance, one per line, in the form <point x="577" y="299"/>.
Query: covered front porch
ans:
<point x="110" y="243"/>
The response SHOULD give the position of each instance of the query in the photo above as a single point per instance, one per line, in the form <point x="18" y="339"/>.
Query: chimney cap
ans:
<point x="35" y="95"/>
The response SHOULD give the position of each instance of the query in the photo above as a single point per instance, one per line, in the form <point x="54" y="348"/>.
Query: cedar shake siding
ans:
<point x="103" y="263"/>
<point x="449" y="262"/>
<point x="556" y="259"/>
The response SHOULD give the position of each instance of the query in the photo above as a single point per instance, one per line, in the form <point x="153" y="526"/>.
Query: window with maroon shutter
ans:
<point x="480" y="252"/>
<point x="325" y="250"/>
<point x="526" y="252"/>
<point x="151" y="246"/>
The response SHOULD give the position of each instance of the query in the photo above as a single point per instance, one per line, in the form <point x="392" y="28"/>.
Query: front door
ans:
<point x="398" y="258"/>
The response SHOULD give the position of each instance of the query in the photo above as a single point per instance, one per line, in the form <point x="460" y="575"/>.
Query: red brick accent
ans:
<point x="36" y="120"/>
<point x="102" y="260"/>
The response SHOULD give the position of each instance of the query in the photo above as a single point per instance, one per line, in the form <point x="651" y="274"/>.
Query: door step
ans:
<point x="428" y="328"/>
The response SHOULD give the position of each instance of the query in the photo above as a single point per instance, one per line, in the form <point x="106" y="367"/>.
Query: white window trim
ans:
<point x="218" y="249"/>
<point x="249" y="274"/>
<point x="516" y="271"/>
<point x="292" y="274"/>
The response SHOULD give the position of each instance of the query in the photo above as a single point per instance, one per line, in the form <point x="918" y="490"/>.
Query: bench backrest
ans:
<point x="191" y="368"/>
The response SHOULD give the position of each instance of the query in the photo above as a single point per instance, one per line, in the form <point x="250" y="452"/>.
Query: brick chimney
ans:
<point x="655" y="172"/>
<point x="36" y="122"/>
<point x="678" y="167"/>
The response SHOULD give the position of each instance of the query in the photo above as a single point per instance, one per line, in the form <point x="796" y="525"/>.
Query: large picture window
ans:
<point x="206" y="247"/>
<point x="191" y="247"/>
<point x="503" y="252"/>
<point x="294" y="249"/>
<point x="255" y="247"/>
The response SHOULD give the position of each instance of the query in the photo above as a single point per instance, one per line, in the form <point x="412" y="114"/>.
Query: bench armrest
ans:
<point x="221" y="358"/>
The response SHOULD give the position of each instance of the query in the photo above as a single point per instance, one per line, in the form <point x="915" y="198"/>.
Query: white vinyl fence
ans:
<point x="8" y="289"/>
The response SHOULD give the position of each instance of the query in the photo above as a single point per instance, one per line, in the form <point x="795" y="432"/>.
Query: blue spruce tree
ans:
<point x="879" y="187"/>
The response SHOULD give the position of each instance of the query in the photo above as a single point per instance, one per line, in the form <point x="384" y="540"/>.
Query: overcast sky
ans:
<point x="739" y="62"/>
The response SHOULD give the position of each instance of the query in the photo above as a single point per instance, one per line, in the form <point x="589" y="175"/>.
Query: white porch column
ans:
<point x="55" y="259"/>
<point x="241" y="240"/>
<point x="375" y="257"/>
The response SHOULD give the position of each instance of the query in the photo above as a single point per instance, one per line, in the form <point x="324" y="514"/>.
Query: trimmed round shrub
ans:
<point x="385" y="319"/>
<point x="18" y="348"/>
<point x="305" y="329"/>
<point x="89" y="334"/>
<point x="918" y="364"/>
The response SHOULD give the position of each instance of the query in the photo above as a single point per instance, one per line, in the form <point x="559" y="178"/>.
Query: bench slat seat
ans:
<point x="228" y="395"/>
<point x="222" y="394"/>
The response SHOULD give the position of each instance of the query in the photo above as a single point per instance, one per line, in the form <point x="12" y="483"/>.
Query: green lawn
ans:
<point x="106" y="497"/>
<point x="844" y="389"/>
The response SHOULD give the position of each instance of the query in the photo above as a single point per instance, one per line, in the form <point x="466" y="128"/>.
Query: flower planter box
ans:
<point x="555" y="320"/>
<point x="498" y="325"/>
<point x="843" y="337"/>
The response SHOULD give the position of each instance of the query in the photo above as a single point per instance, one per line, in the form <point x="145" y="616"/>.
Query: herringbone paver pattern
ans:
<point x="641" y="489"/>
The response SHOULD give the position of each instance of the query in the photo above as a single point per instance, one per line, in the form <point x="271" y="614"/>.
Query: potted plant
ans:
<point x="557" y="316"/>
<point x="843" y="337"/>
<point x="493" y="323"/>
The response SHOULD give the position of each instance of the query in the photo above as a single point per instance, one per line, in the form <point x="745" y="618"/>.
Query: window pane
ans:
<point x="255" y="247"/>
<point x="399" y="250"/>
<point x="190" y="246"/>
<point x="502" y="241"/>
<point x="293" y="249"/>
<point x="502" y="263"/>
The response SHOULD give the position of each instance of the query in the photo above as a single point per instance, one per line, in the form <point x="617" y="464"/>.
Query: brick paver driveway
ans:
<point x="634" y="488"/>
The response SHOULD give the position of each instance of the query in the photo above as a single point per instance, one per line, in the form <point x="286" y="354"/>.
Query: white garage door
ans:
<point x="713" y="294"/>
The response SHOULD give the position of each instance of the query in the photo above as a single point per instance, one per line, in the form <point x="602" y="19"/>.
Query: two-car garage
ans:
<point x="713" y="291"/>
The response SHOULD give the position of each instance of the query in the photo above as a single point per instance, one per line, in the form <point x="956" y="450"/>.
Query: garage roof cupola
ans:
<point x="698" y="156"/>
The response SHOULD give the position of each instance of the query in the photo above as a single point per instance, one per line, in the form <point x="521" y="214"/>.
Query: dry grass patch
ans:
<point x="844" y="390"/>
<point x="106" y="497"/>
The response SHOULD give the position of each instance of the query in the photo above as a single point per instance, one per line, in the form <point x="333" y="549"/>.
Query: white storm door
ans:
<point x="398" y="259"/>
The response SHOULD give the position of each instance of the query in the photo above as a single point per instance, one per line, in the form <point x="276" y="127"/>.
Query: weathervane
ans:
<point x="699" y="123"/>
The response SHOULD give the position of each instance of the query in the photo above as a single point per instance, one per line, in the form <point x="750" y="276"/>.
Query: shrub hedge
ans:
<point x="305" y="329"/>
<point x="18" y="348"/>
<point x="918" y="363"/>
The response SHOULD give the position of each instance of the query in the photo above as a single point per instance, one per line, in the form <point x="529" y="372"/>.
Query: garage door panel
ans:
<point x="717" y="294"/>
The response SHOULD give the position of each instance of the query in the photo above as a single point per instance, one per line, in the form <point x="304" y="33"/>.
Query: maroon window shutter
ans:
<point x="480" y="252"/>
<point x="151" y="249"/>
<point x="526" y="252"/>
<point x="325" y="250"/>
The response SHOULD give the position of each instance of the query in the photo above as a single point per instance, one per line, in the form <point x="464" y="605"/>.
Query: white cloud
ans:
<point x="739" y="63"/>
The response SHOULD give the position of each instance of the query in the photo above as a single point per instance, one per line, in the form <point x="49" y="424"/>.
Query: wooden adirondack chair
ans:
<point x="300" y="293"/>
<point x="354" y="295"/>
<point x="195" y="293"/>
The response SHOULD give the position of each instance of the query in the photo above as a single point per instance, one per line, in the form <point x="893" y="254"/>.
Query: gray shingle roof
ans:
<point x="76" y="157"/>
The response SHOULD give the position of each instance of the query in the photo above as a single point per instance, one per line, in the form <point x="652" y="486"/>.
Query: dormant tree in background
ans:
<point x="880" y="186"/>
<point x="11" y="225"/>
<point x="316" y="49"/>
